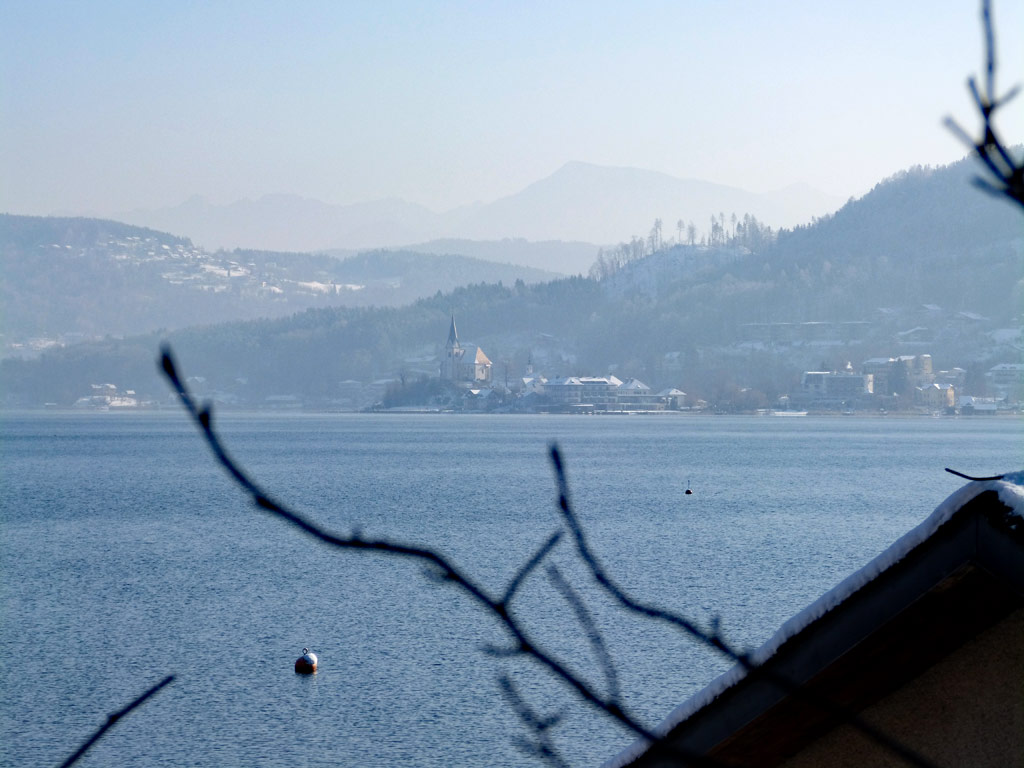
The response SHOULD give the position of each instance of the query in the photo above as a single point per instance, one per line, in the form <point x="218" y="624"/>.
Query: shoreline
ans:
<point x="222" y="409"/>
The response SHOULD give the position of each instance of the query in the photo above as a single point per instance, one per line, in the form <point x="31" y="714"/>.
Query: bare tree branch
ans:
<point x="543" y="747"/>
<point x="1007" y="172"/>
<point x="112" y="719"/>
<point x="605" y="581"/>
<point x="976" y="479"/>
<point x="532" y="563"/>
<point x="590" y="629"/>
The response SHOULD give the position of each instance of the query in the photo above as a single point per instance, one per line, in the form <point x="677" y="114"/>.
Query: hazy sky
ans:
<point x="110" y="106"/>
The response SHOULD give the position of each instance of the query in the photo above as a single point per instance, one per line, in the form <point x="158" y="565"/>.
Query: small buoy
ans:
<point x="306" y="663"/>
<point x="689" y="492"/>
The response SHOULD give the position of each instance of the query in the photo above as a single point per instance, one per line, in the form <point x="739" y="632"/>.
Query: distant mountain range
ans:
<point x="579" y="202"/>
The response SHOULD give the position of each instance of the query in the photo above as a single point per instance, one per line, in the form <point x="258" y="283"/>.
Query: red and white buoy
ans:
<point x="306" y="663"/>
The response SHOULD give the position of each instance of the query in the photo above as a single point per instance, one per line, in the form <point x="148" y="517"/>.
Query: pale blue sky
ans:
<point x="109" y="106"/>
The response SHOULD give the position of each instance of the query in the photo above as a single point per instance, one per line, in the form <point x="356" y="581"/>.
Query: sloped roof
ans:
<point x="607" y="381"/>
<point x="635" y="385"/>
<point x="566" y="381"/>
<point x="948" y="579"/>
<point x="481" y="358"/>
<point x="979" y="403"/>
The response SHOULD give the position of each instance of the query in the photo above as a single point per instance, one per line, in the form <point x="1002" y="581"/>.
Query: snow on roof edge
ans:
<point x="1011" y="493"/>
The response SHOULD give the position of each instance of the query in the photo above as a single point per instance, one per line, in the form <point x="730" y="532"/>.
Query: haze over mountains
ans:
<point x="923" y="264"/>
<point x="579" y="202"/>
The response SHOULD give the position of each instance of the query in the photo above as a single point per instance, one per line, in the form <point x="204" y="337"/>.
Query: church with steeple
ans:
<point x="467" y="365"/>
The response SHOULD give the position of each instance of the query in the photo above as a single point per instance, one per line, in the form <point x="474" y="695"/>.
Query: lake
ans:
<point x="127" y="555"/>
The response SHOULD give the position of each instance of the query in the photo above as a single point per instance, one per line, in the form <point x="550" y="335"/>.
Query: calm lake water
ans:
<point x="127" y="555"/>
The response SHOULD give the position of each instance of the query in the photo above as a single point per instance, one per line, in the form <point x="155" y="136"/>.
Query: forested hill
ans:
<point x="923" y="259"/>
<point x="919" y="212"/>
<point x="311" y="353"/>
<point x="20" y="234"/>
<point x="65" y="279"/>
<point x="924" y="236"/>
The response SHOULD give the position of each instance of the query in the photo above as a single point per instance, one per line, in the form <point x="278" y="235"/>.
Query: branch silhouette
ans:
<point x="112" y="720"/>
<point x="589" y="626"/>
<point x="542" y="747"/>
<point x="975" y="479"/>
<point x="1006" y="172"/>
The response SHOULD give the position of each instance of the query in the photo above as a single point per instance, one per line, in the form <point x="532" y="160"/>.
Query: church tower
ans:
<point x="453" y="353"/>
<point x="467" y="366"/>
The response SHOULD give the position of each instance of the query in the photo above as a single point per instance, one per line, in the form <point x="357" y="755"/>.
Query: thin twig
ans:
<point x="590" y="629"/>
<point x="543" y="748"/>
<point x="532" y="563"/>
<point x="976" y="479"/>
<point x="1007" y="173"/>
<point x="112" y="719"/>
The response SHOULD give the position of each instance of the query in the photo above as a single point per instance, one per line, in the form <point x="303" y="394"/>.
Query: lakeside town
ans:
<point x="466" y="380"/>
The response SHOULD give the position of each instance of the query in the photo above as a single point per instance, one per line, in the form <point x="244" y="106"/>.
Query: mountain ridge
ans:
<point x="578" y="202"/>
